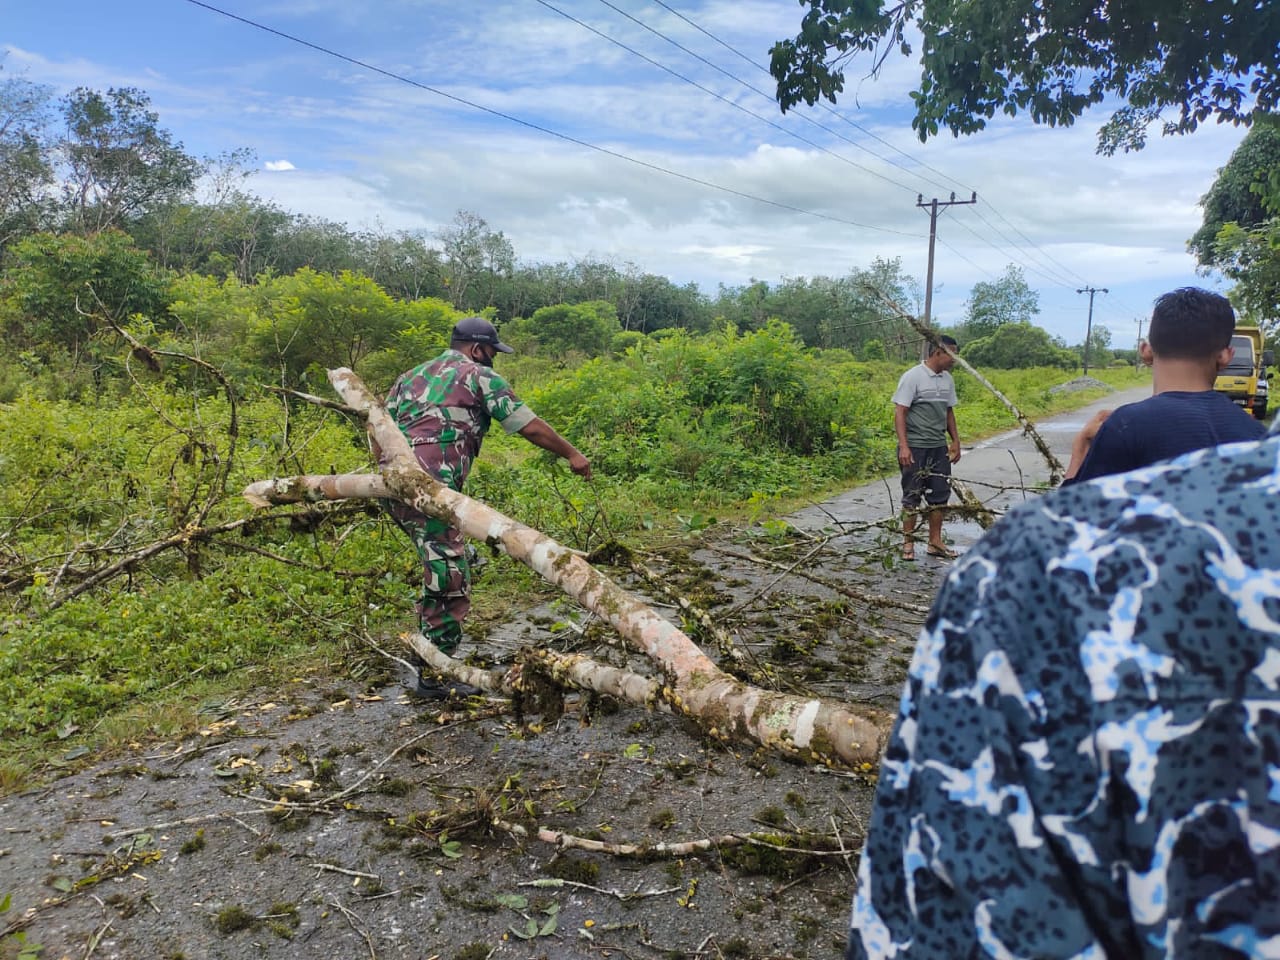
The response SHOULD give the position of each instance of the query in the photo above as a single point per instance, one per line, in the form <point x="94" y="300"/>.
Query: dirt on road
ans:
<point x="337" y="818"/>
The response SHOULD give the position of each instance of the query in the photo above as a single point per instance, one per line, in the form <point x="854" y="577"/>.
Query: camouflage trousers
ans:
<point x="445" y="600"/>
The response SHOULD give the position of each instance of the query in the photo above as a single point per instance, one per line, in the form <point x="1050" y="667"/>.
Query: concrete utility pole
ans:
<point x="932" y="206"/>
<point x="1088" y="330"/>
<point x="1137" y="360"/>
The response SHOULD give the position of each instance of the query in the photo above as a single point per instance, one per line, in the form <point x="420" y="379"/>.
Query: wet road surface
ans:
<point x="1000" y="471"/>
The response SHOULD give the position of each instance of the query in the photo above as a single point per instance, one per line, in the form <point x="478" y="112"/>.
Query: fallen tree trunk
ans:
<point x="808" y="728"/>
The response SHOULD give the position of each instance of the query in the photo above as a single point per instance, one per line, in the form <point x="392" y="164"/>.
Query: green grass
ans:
<point x="143" y="655"/>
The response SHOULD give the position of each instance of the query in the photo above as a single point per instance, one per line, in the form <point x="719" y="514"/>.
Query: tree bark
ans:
<point x="811" y="729"/>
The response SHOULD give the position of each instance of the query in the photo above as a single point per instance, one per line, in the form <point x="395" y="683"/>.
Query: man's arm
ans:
<point x="541" y="434"/>
<point x="953" y="450"/>
<point x="900" y="427"/>
<point x="1083" y="442"/>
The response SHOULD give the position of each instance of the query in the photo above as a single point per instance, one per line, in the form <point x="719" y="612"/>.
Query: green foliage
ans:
<point x="26" y="169"/>
<point x="56" y="287"/>
<point x="1050" y="60"/>
<point x="313" y="321"/>
<point x="993" y="304"/>
<point x="1252" y="259"/>
<point x="118" y="161"/>
<point x="723" y="413"/>
<point x="296" y="327"/>
<point x="1239" y="195"/>
<point x="1014" y="346"/>
<point x="845" y="312"/>
<point x="108" y="480"/>
<point x="567" y="330"/>
<point x="624" y="341"/>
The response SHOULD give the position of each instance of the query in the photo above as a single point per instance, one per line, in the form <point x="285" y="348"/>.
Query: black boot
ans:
<point x="442" y="688"/>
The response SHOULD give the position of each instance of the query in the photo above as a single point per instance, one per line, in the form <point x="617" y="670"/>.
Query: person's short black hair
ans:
<point x="1191" y="324"/>
<point x="949" y="340"/>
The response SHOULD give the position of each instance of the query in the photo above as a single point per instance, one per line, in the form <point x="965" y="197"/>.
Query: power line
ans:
<point x="540" y="129"/>
<point x="756" y="90"/>
<point x="839" y="116"/>
<point x="1036" y="268"/>
<point x="1057" y="281"/>
<point x="707" y="90"/>
<point x="1053" y="265"/>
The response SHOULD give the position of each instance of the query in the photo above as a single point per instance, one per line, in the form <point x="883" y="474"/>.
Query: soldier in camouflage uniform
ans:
<point x="1086" y="761"/>
<point x="444" y="408"/>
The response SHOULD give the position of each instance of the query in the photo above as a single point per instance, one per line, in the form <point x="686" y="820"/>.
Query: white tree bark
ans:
<point x="810" y="728"/>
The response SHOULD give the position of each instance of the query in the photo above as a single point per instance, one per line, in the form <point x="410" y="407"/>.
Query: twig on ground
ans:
<point x="617" y="894"/>
<point x="357" y="927"/>
<point x="322" y="867"/>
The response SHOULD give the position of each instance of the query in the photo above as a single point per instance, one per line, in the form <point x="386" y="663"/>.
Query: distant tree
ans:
<point x="1015" y="346"/>
<point x="405" y="265"/>
<point x="1240" y="192"/>
<point x="26" y="172"/>
<point x="648" y="302"/>
<point x="586" y="329"/>
<point x="311" y="321"/>
<point x="828" y="312"/>
<point x="872" y="350"/>
<point x="993" y="304"/>
<point x="1252" y="259"/>
<point x="117" y="161"/>
<point x="474" y="256"/>
<point x="1050" y="60"/>
<point x="1099" y="347"/>
<point x="57" y="287"/>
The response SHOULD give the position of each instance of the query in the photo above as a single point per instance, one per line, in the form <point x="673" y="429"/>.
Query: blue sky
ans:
<point x="340" y="141"/>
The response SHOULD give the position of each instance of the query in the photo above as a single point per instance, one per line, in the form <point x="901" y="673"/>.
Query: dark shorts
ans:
<point x="929" y="477"/>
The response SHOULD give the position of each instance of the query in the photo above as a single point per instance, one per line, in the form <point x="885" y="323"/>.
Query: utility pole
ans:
<point x="1137" y="357"/>
<point x="1088" y="330"/>
<point x="932" y="206"/>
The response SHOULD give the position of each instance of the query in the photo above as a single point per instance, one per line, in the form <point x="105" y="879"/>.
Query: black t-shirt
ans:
<point x="1165" y="426"/>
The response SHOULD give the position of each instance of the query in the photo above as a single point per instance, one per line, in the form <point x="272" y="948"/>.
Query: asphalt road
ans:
<point x="1001" y="471"/>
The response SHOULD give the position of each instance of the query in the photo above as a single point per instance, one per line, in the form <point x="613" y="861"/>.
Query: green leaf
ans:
<point x="515" y="901"/>
<point x="633" y="750"/>
<point x="528" y="933"/>
<point x="62" y="884"/>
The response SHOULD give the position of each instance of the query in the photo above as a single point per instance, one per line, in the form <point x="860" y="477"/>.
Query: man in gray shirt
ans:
<point x="923" y="418"/>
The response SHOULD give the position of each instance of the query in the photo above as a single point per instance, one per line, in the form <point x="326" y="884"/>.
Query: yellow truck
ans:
<point x="1245" y="378"/>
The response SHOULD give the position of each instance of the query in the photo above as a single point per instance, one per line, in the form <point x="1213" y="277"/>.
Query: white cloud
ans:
<point x="278" y="165"/>
<point x="376" y="151"/>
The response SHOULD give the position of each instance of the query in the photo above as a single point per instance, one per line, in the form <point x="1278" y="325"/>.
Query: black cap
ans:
<point x="479" y="330"/>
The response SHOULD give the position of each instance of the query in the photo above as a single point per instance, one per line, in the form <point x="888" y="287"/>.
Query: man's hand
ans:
<point x="905" y="459"/>
<point x="953" y="451"/>
<point x="580" y="465"/>
<point x="1083" y="440"/>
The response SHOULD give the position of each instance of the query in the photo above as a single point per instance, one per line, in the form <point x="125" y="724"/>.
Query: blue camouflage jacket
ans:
<point x="1086" y="761"/>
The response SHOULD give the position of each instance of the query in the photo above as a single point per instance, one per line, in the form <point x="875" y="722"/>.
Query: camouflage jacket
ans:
<point x="1086" y="761"/>
<point x="444" y="408"/>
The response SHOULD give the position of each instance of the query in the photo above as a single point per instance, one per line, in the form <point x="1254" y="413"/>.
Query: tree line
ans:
<point x="105" y="216"/>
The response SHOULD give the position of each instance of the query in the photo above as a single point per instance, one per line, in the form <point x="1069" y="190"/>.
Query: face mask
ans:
<point x="486" y="359"/>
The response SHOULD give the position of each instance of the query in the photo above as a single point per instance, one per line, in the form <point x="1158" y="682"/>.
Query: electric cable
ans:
<point x="537" y="127"/>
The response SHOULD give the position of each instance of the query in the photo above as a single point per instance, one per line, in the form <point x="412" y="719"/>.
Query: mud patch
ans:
<point x="337" y="818"/>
